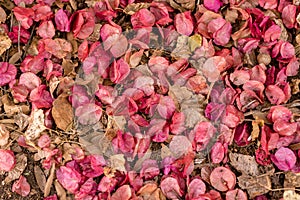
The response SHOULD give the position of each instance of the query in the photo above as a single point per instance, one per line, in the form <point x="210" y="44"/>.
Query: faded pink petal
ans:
<point x="21" y="186"/>
<point x="212" y="68"/>
<point x="7" y="161"/>
<point x="292" y="68"/>
<point x="280" y="113"/>
<point x="202" y="134"/>
<point x="170" y="188"/>
<point x="289" y="15"/>
<point x="222" y="179"/>
<point x="237" y="194"/>
<point x="287" y="50"/>
<point x="29" y="80"/>
<point x="196" y="188"/>
<point x="123" y="192"/>
<point x="268" y="4"/>
<point x="149" y="169"/>
<point x="285" y="128"/>
<point x="184" y="23"/>
<point x="177" y="124"/>
<point x="166" y="107"/>
<point x="222" y="35"/>
<point x="119" y="71"/>
<point x="46" y="30"/>
<point x="232" y="117"/>
<point x="88" y="113"/>
<point x="239" y="77"/>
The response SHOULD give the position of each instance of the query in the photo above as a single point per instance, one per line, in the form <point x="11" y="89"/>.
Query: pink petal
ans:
<point x="21" y="186"/>
<point x="7" y="161"/>
<point x="284" y="158"/>
<point x="170" y="188"/>
<point x="184" y="23"/>
<point x="46" y="30"/>
<point x="8" y="73"/>
<point x="61" y="21"/>
<point x="142" y="18"/>
<point x="222" y="179"/>
<point x="275" y="95"/>
<point x="69" y="178"/>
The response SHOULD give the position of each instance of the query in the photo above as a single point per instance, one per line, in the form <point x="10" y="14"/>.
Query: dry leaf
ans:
<point x="11" y="109"/>
<point x="49" y="182"/>
<point x="5" y="43"/>
<point x="2" y="15"/>
<point x="60" y="191"/>
<point x="290" y="195"/>
<point x="14" y="58"/>
<point x="117" y="162"/>
<point x="62" y="113"/>
<point x="21" y="120"/>
<point x="40" y="177"/>
<point x="36" y="125"/>
<point x="255" y="186"/>
<point x="244" y="163"/>
<point x="21" y="161"/>
<point x="291" y="180"/>
<point x="4" y="135"/>
<point x="134" y="7"/>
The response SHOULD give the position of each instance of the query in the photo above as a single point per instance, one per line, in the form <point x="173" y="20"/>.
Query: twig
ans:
<point x="19" y="37"/>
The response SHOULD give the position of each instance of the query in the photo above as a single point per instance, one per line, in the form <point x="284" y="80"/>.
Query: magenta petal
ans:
<point x="284" y="158"/>
<point x="69" y="178"/>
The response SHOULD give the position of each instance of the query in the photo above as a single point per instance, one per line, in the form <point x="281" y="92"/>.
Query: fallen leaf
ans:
<point x="39" y="177"/>
<point x="4" y="135"/>
<point x="244" y="163"/>
<point x="290" y="195"/>
<point x="134" y="7"/>
<point x="2" y="15"/>
<point x="36" y="125"/>
<point x="5" y="43"/>
<point x="255" y="186"/>
<point x="49" y="182"/>
<point x="61" y="193"/>
<point x="62" y="113"/>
